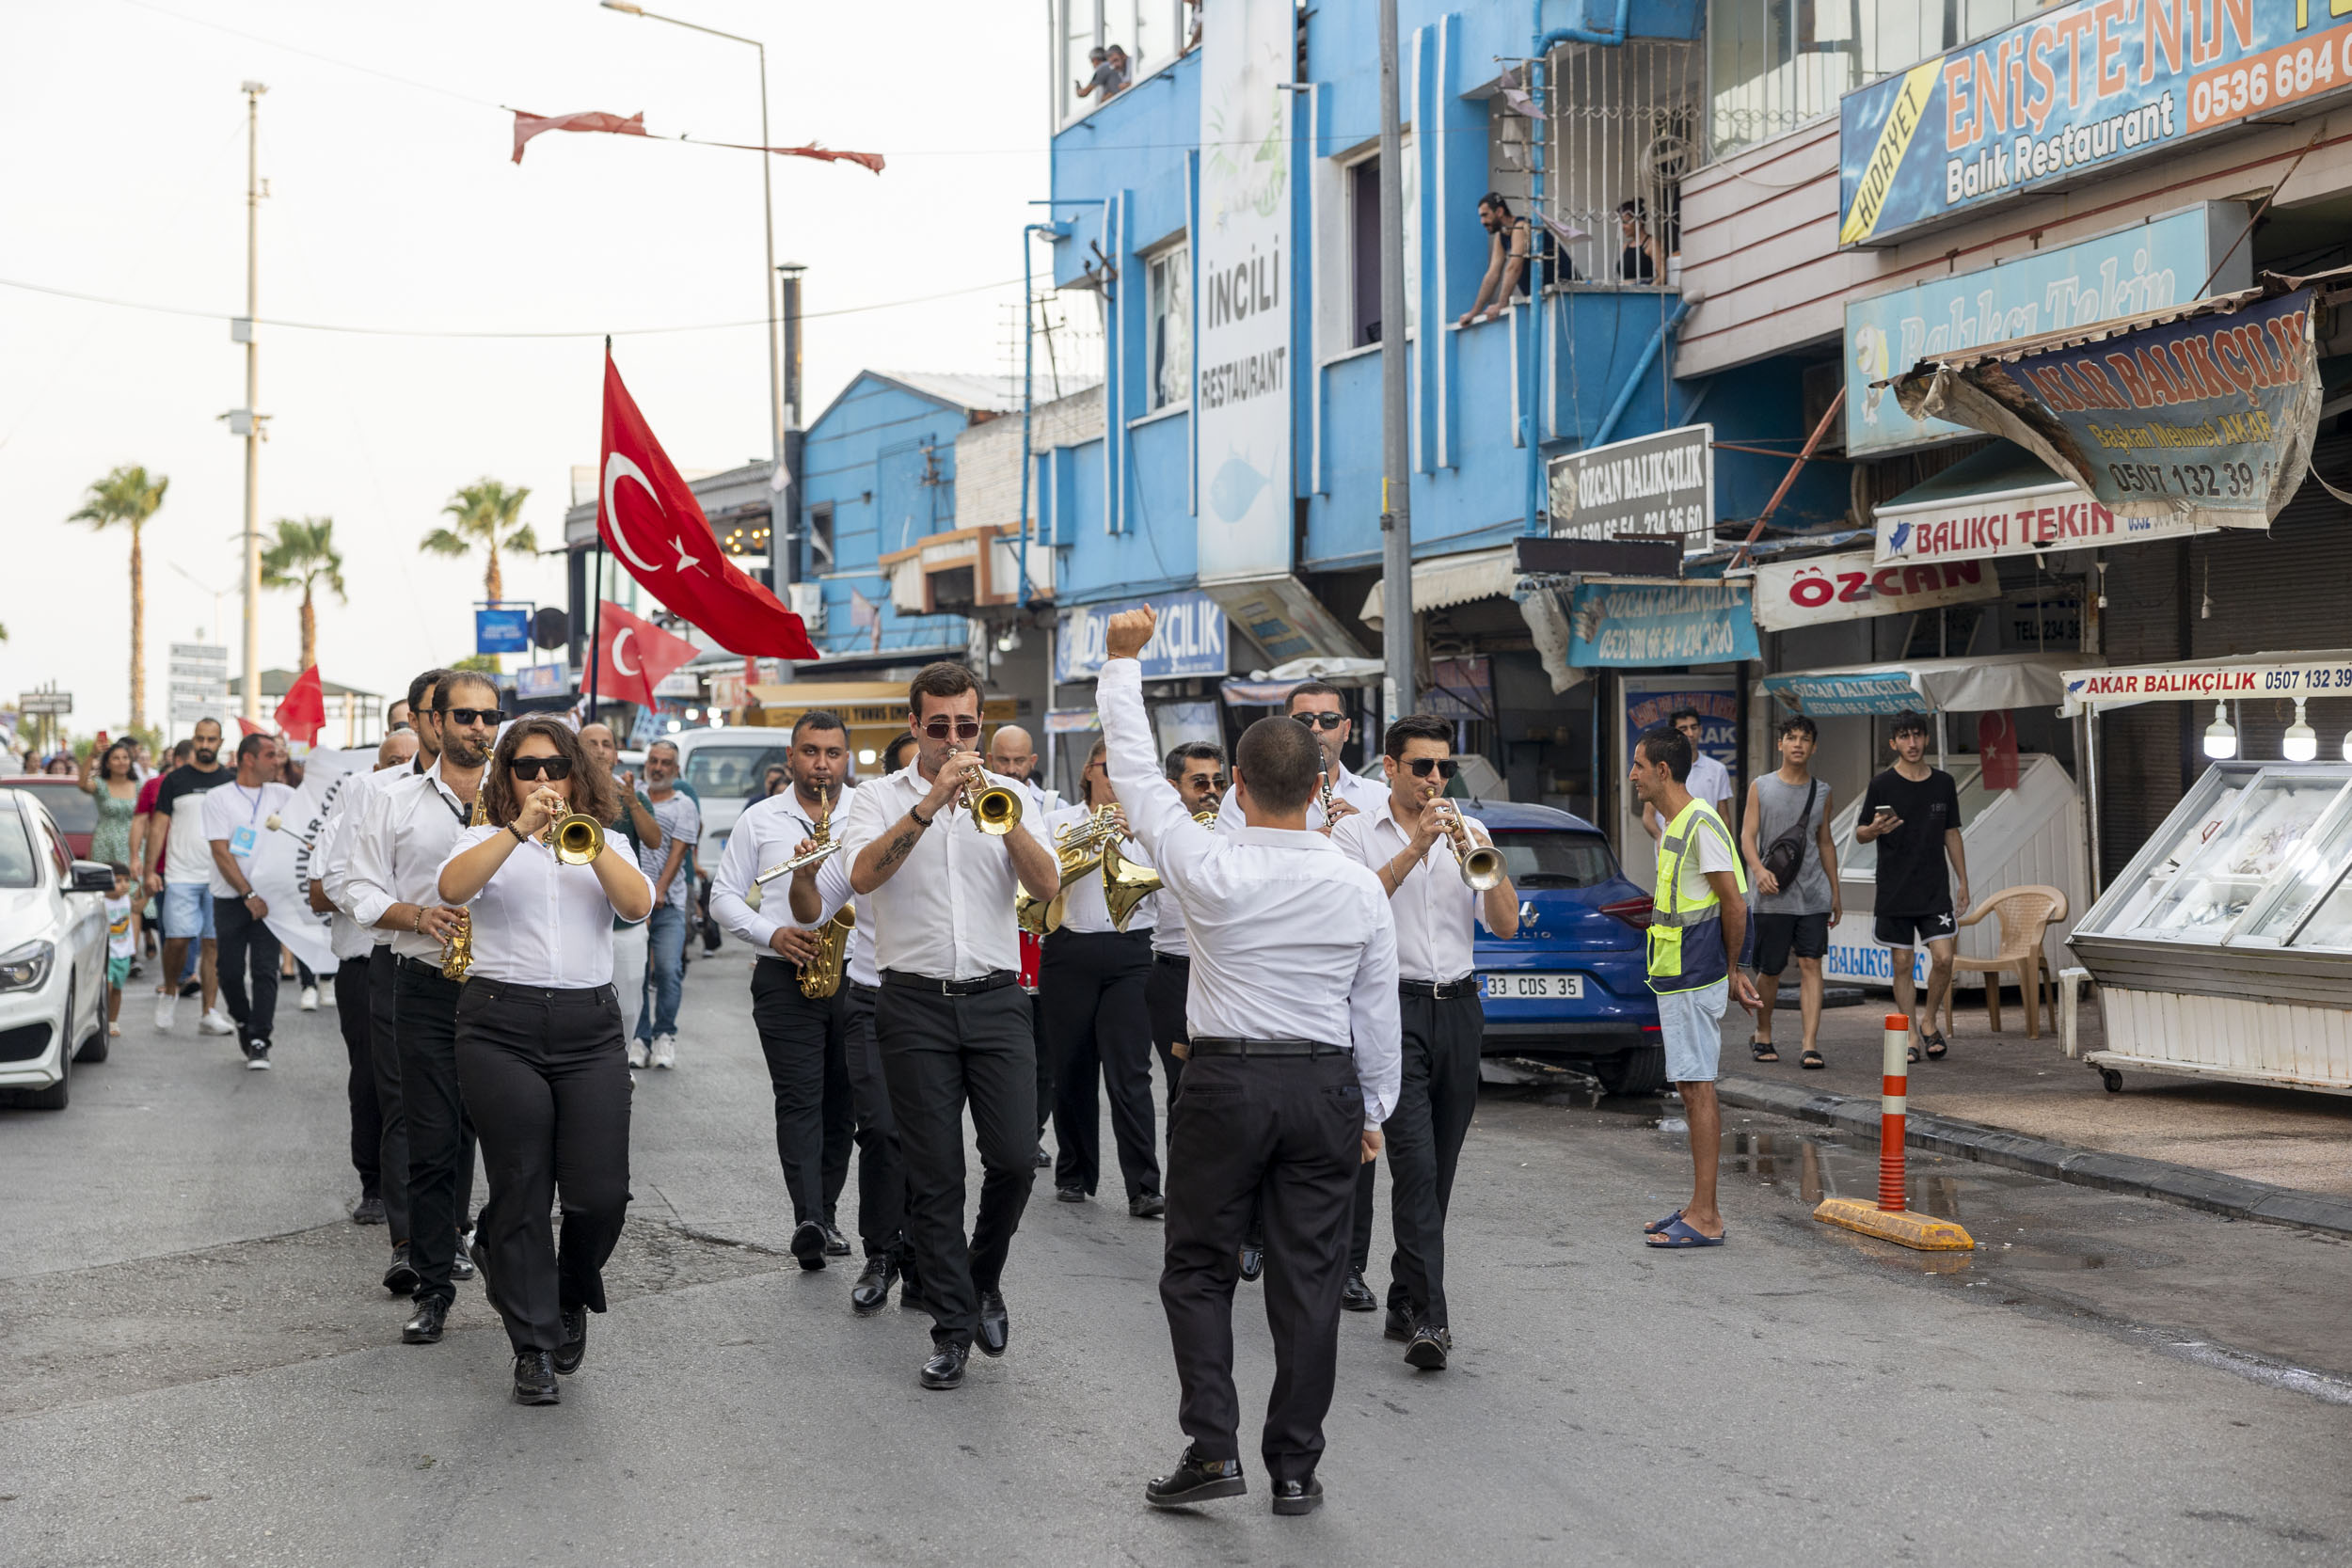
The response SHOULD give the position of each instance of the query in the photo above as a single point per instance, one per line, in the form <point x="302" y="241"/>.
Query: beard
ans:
<point x="206" y="756"/>
<point x="462" y="749"/>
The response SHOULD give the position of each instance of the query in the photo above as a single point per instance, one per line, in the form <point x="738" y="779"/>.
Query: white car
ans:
<point x="53" y="956"/>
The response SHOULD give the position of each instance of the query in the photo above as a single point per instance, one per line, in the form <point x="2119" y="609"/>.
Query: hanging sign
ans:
<point x="1654" y="486"/>
<point x="1622" y="625"/>
<point x="1849" y="587"/>
<point x="1189" y="640"/>
<point x="2014" y="522"/>
<point x="2316" y="675"/>
<point x="1847" y="695"/>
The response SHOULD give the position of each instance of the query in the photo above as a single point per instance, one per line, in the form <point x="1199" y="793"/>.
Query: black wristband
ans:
<point x="918" y="819"/>
<point x="520" y="837"/>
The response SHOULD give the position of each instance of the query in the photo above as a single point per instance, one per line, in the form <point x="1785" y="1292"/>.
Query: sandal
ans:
<point x="1656" y="1227"/>
<point x="1937" y="1046"/>
<point x="1914" y="1054"/>
<point x="1810" y="1059"/>
<point x="1762" y="1050"/>
<point x="1679" y="1235"/>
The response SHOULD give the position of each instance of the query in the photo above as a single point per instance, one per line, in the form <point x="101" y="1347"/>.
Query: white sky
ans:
<point x="395" y="206"/>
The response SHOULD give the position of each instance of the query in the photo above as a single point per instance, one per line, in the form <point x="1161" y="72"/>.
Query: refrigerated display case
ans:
<point x="2224" y="950"/>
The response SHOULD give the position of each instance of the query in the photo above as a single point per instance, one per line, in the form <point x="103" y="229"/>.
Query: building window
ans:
<point x="1167" y="345"/>
<point x="1363" y="239"/>
<point x="1624" y="128"/>
<point x="821" y="537"/>
<point x="1150" y="34"/>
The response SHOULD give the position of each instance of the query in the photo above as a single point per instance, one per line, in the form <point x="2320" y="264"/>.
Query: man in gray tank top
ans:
<point x="1795" y="908"/>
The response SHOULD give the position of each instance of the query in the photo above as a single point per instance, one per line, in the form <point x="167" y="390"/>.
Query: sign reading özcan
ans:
<point x="1652" y="486"/>
<point x="1850" y="586"/>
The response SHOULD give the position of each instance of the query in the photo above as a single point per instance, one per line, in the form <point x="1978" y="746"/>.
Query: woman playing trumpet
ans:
<point x="539" y="1052"/>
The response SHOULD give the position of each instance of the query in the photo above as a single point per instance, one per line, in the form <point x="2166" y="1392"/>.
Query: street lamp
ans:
<point x="768" y="210"/>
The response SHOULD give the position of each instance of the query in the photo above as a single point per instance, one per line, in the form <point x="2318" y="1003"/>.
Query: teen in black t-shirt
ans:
<point x="1912" y="813"/>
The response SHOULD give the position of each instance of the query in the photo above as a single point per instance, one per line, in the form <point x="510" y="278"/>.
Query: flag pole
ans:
<point x="596" y="589"/>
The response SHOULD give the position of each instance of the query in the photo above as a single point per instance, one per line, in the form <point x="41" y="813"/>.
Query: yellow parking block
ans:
<point x="1922" y="1233"/>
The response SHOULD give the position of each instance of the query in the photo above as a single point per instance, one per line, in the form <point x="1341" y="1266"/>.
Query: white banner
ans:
<point x="1852" y="586"/>
<point x="2280" y="677"/>
<point x="2056" y="516"/>
<point x="1241" y="397"/>
<point x="280" y="867"/>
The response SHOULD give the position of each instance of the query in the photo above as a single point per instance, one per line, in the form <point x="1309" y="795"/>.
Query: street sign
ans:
<point x="45" y="702"/>
<point x="189" y="712"/>
<point x="501" y="631"/>
<point x="201" y="652"/>
<point x="543" y="680"/>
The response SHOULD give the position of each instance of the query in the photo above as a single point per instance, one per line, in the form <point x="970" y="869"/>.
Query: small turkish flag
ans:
<point x="302" y="711"/>
<point x="651" y="519"/>
<point x="634" y="655"/>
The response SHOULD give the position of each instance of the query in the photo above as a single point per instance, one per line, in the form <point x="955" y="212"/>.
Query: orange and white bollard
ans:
<point x="1892" y="1219"/>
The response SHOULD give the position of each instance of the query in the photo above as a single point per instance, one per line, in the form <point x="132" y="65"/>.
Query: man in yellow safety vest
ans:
<point x="1699" y="927"/>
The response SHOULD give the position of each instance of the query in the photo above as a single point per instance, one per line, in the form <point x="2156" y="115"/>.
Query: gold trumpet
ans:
<point x="1480" y="865"/>
<point x="995" y="810"/>
<point x="576" y="838"/>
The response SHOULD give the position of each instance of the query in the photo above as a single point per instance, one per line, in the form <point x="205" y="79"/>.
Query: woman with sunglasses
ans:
<point x="539" y="1051"/>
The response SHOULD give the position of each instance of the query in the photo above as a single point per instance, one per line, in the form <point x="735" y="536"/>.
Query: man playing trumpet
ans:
<point x="1435" y="892"/>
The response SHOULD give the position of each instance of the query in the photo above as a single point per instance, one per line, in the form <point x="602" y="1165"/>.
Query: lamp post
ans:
<point x="767" y="214"/>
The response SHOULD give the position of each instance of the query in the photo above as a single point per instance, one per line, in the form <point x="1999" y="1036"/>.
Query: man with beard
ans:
<point x="185" y="882"/>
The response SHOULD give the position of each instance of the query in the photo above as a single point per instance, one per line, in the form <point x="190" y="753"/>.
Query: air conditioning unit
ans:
<point x="807" y="601"/>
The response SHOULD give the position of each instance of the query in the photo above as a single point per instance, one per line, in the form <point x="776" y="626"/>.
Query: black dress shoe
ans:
<point x="461" y="1264"/>
<point x="534" y="1379"/>
<point x="400" y="1278"/>
<point x="1070" y="1195"/>
<point x="1252" y="1262"/>
<point x="1355" y="1296"/>
<point x="425" y="1327"/>
<point x="873" y="1286"/>
<point x="808" y="1245"/>
<point x="1431" y="1341"/>
<point x="945" y="1370"/>
<point x="911" y="1290"/>
<point x="1147" y="1206"/>
<point x="836" y="1244"/>
<point x="1399" y="1324"/>
<point x="1297" y="1496"/>
<point x="996" y="1327"/>
<point x="1043" y="1158"/>
<point x="574" y="1349"/>
<point x="1196" y="1480"/>
<point x="368" y="1210"/>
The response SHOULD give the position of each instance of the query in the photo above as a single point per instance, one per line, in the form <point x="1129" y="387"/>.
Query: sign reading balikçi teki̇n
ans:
<point x="1649" y="488"/>
<point x="2071" y="93"/>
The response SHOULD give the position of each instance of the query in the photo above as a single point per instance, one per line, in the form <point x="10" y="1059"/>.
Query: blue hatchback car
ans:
<point x="1572" y="986"/>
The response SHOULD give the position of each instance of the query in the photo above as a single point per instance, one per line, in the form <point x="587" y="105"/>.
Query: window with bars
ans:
<point x="1168" y="328"/>
<point x="1152" y="32"/>
<point x="1624" y="128"/>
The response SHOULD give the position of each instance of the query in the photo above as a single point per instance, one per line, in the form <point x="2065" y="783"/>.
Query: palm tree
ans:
<point x="483" y="514"/>
<point x="128" y="496"/>
<point x="303" y="556"/>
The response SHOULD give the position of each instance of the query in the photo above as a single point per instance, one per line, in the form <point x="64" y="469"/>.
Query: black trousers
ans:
<point x="803" y="1039"/>
<point x="440" y="1134"/>
<point x="1044" y="1055"/>
<point x="547" y="1076"/>
<point x="1287" y="1131"/>
<point x="1423" y="1140"/>
<point x="1163" y="992"/>
<point x="382" y="996"/>
<point x="1090" y="984"/>
<point x="881" y="1177"/>
<point x="938" y="1053"/>
<point x="247" y="942"/>
<point x="352" y="1015"/>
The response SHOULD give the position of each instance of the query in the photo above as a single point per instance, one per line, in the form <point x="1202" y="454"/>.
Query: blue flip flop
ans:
<point x="1679" y="1235"/>
<point x="1656" y="1225"/>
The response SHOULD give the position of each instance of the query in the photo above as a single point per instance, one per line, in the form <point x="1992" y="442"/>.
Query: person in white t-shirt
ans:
<point x="236" y="816"/>
<point x="1709" y="781"/>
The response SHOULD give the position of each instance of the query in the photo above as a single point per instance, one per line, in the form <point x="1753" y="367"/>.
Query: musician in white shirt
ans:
<point x="1197" y="769"/>
<point x="1409" y="842"/>
<point x="539" y="1048"/>
<point x="951" y="1021"/>
<point x="1292" y="1032"/>
<point x="1324" y="712"/>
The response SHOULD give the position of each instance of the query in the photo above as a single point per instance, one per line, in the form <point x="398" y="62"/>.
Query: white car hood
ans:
<point x="24" y="916"/>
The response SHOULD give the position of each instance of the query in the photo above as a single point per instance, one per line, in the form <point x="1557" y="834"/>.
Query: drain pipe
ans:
<point x="1028" y="386"/>
<point x="1641" y="369"/>
<point x="1614" y="37"/>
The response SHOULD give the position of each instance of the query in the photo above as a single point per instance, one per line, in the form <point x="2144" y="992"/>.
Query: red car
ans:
<point x="75" y="813"/>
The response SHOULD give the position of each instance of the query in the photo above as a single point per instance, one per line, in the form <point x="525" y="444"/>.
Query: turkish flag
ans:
<point x="652" y="521"/>
<point x="302" y="711"/>
<point x="634" y="655"/>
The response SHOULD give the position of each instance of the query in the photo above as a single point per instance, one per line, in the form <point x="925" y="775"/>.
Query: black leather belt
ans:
<point x="1228" y="1045"/>
<point x="857" y="988"/>
<point x="1176" y="959"/>
<point x="420" y="966"/>
<point x="1442" y="991"/>
<point x="930" y="987"/>
<point x="508" y="991"/>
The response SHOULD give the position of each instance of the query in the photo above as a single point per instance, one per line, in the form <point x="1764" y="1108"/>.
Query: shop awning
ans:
<point x="1928" y="684"/>
<point x="1273" y="688"/>
<point x="2326" y="672"/>
<point x="1452" y="579"/>
<point x="2004" y="501"/>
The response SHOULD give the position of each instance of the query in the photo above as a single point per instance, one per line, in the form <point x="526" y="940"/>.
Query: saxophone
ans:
<point x="458" y="952"/>
<point x="821" y="976"/>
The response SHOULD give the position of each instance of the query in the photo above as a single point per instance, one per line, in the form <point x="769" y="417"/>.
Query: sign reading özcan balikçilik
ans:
<point x="1651" y="486"/>
<point x="1615" y="625"/>
<point x="2069" y="94"/>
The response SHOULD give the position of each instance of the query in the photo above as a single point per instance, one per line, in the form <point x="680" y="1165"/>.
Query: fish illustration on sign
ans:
<point x="1235" y="489"/>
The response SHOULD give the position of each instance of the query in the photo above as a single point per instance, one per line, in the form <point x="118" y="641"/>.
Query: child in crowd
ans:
<point x="121" y="946"/>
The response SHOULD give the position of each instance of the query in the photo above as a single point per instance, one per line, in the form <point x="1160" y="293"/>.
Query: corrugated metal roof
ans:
<point x="994" y="394"/>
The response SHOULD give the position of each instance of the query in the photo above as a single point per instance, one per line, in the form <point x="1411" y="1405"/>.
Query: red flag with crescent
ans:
<point x="634" y="655"/>
<point x="653" y="524"/>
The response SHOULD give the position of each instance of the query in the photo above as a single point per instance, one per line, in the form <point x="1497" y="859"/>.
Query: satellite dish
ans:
<point x="550" y="629"/>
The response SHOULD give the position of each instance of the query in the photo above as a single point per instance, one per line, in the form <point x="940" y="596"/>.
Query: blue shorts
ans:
<point x="187" y="910"/>
<point x="1693" y="1024"/>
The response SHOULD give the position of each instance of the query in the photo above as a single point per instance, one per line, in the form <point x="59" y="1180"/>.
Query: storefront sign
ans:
<point x="1615" y="625"/>
<point x="1189" y="640"/>
<point x="1241" y="397"/>
<point x="1652" y="486"/>
<point x="543" y="680"/>
<point x="2014" y="522"/>
<point x="2075" y="92"/>
<point x="2153" y="264"/>
<point x="1843" y="696"/>
<point x="1072" y="720"/>
<point x="1852" y="586"/>
<point x="2316" y="676"/>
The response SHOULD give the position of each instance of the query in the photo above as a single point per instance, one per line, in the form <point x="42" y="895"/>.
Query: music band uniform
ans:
<point x="1090" y="995"/>
<point x="376" y="998"/>
<point x="352" y="942"/>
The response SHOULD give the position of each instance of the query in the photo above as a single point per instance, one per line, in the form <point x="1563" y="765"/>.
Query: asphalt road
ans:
<point x="201" y="1369"/>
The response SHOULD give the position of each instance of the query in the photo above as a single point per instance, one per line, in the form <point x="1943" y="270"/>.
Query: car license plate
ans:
<point x="1536" y="987"/>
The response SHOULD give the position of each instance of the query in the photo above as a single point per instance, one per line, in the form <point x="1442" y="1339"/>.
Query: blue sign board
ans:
<point x="1189" y="641"/>
<point x="1837" y="696"/>
<point x="501" y="631"/>
<point x="1622" y="625"/>
<point x="2145" y="267"/>
<point x="2070" y="94"/>
<point x="543" y="680"/>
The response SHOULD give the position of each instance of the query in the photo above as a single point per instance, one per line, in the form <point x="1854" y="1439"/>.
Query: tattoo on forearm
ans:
<point x="899" y="849"/>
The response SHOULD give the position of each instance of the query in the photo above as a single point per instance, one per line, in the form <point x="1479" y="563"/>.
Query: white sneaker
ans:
<point x="215" y="1022"/>
<point x="637" y="1055"/>
<point x="166" y="1006"/>
<point x="665" y="1051"/>
<point x="310" y="998"/>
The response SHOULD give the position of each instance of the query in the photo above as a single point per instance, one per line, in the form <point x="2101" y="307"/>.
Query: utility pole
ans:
<point x="252" y="683"/>
<point x="1397" y="640"/>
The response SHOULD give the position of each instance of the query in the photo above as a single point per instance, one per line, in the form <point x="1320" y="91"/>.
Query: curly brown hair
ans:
<point x="593" y="792"/>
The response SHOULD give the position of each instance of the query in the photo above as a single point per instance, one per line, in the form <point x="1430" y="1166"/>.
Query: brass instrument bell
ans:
<point x="996" y="809"/>
<point x="577" y="839"/>
<point x="1125" y="885"/>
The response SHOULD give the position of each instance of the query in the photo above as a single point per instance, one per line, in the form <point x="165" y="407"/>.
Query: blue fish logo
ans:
<point x="1235" y="489"/>
<point x="1895" y="540"/>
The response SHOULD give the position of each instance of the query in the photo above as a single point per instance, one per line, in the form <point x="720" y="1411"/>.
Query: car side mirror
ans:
<point x="92" y="876"/>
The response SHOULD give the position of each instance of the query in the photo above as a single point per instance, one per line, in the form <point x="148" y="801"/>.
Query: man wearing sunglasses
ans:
<point x="1409" y="841"/>
<point x="1323" y="711"/>
<point x="949" y="1018"/>
<point x="410" y="827"/>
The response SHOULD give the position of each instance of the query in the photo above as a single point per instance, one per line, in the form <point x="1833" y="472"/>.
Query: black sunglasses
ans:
<point x="962" y="728"/>
<point x="1446" y="766"/>
<point x="531" y="770"/>
<point x="1321" y="721"/>
<point x="465" y="718"/>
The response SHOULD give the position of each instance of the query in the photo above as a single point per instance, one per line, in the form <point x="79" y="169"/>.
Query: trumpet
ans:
<point x="995" y="810"/>
<point x="1480" y="865"/>
<point x="576" y="838"/>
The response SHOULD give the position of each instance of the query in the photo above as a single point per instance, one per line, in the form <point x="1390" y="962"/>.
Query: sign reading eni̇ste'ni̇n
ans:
<point x="2071" y="93"/>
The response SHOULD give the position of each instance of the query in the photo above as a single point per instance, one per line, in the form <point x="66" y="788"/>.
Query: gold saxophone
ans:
<point x="457" y="950"/>
<point x="822" y="976"/>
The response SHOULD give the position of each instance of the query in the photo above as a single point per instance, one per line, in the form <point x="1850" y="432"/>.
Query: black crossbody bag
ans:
<point x="1786" y="856"/>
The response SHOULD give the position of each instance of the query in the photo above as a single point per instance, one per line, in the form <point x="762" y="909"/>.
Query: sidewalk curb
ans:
<point x="2186" y="1186"/>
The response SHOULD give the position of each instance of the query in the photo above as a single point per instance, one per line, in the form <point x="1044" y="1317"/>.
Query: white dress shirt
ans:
<point x="538" y="922"/>
<point x="1709" y="781"/>
<point x="411" y="826"/>
<point x="763" y="836"/>
<point x="1357" y="790"/>
<point x="1082" y="906"/>
<point x="1291" y="937"/>
<point x="352" y="799"/>
<point x="330" y="851"/>
<point x="1433" y="905"/>
<point x="1170" y="938"/>
<point x="946" y="912"/>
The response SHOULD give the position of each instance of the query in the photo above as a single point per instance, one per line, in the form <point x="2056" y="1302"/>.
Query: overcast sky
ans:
<point x="393" y="205"/>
